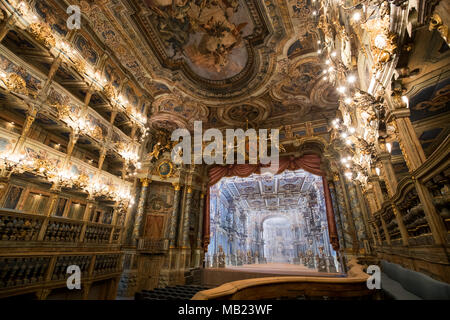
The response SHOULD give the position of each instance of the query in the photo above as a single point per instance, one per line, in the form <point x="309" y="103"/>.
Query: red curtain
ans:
<point x="310" y="163"/>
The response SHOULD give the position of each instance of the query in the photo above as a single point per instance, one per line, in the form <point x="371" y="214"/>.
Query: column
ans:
<point x="187" y="211"/>
<point x="140" y="211"/>
<point x="337" y="215"/>
<point x="388" y="173"/>
<point x="386" y="233"/>
<point x="375" y="226"/>
<point x="348" y="216"/>
<point x="356" y="190"/>
<point x="200" y="221"/>
<point x="198" y="252"/>
<point x="174" y="215"/>
<point x="401" y="225"/>
<point x="378" y="194"/>
<point x="6" y="26"/>
<point x="72" y="141"/>
<point x="31" y="116"/>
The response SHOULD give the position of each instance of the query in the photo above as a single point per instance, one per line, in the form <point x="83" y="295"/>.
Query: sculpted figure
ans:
<point x="221" y="258"/>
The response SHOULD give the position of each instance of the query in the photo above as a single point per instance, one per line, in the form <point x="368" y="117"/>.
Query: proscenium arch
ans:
<point x="311" y="163"/>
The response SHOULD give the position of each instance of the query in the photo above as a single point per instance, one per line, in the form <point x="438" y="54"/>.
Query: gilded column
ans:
<point x="186" y="218"/>
<point x="401" y="225"/>
<point x="200" y="221"/>
<point x="386" y="233"/>
<point x="29" y="120"/>
<point x="174" y="215"/>
<point x="375" y="226"/>
<point x="363" y="206"/>
<point x="357" y="215"/>
<point x="388" y="173"/>
<point x="6" y="25"/>
<point x="140" y="210"/>
<point x="377" y="192"/>
<point x="351" y="228"/>
<point x="337" y="215"/>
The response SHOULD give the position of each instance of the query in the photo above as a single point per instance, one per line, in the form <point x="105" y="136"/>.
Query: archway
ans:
<point x="279" y="240"/>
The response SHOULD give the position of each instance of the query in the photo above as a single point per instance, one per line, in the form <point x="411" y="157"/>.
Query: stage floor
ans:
<point x="279" y="269"/>
<point x="218" y="276"/>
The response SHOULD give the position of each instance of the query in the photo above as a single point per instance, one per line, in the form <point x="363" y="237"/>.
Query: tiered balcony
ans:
<point x="434" y="174"/>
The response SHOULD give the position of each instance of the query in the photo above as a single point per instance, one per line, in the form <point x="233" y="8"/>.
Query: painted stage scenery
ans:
<point x="270" y="223"/>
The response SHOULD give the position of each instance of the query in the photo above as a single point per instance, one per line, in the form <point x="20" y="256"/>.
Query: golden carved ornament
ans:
<point x="437" y="24"/>
<point x="129" y="109"/>
<point x="16" y="83"/>
<point x="43" y="33"/>
<point x="80" y="65"/>
<point x="110" y="91"/>
<point x="97" y="133"/>
<point x="82" y="180"/>
<point x="63" y="110"/>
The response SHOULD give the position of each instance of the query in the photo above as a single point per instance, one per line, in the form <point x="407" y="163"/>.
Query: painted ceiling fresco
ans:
<point x="226" y="62"/>
<point x="208" y="35"/>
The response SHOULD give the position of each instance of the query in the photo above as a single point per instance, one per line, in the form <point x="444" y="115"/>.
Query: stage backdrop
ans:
<point x="310" y="163"/>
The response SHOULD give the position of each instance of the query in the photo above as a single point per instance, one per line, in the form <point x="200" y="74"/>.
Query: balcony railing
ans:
<point x="23" y="227"/>
<point x="352" y="286"/>
<point x="21" y="275"/>
<point x="434" y="174"/>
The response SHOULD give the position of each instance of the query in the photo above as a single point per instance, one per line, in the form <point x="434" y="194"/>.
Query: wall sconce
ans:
<point x="377" y="170"/>
<point x="389" y="147"/>
<point x="405" y="101"/>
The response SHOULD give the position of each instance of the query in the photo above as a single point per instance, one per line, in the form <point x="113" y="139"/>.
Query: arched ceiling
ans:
<point x="223" y="61"/>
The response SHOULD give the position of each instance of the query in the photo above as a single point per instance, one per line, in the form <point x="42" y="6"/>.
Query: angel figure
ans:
<point x="156" y="151"/>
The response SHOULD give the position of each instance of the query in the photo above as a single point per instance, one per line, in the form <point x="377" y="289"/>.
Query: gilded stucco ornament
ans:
<point x="110" y="91"/>
<point x="383" y="43"/>
<point x="437" y="24"/>
<point x="16" y="83"/>
<point x="43" y="33"/>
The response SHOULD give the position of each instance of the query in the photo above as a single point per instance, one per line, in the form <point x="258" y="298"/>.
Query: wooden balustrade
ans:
<point x="63" y="230"/>
<point x="22" y="271"/>
<point x="97" y="233"/>
<point x="108" y="263"/>
<point x="352" y="286"/>
<point x="16" y="226"/>
<point x="21" y="275"/>
<point x="25" y="227"/>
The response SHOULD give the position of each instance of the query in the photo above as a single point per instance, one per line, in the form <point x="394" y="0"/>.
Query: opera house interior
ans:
<point x="352" y="96"/>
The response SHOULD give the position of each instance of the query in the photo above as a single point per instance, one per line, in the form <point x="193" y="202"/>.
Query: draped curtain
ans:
<point x="310" y="163"/>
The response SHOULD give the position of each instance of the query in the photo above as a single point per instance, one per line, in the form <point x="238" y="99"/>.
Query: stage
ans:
<point x="218" y="276"/>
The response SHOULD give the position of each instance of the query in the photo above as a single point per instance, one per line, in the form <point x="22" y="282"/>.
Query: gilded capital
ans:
<point x="176" y="186"/>
<point x="145" y="182"/>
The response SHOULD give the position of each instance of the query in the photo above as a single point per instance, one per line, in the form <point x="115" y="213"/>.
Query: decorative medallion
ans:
<point x="165" y="169"/>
